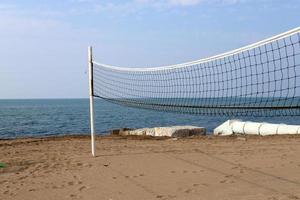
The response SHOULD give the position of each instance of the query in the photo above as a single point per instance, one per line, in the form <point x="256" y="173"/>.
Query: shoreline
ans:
<point x="145" y="137"/>
<point x="135" y="167"/>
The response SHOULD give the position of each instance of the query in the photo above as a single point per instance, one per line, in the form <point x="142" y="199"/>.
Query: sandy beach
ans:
<point x="150" y="168"/>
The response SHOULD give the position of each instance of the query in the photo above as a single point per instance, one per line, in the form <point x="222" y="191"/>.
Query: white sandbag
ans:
<point x="268" y="129"/>
<point x="225" y="128"/>
<point x="288" y="129"/>
<point x="238" y="127"/>
<point x="254" y="128"/>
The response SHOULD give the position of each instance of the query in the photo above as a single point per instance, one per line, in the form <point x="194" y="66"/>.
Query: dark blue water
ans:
<point x="46" y="117"/>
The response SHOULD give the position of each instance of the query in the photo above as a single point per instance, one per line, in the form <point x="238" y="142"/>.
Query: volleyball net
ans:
<point x="262" y="79"/>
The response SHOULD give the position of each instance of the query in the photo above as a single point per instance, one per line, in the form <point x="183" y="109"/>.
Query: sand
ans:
<point x="132" y="168"/>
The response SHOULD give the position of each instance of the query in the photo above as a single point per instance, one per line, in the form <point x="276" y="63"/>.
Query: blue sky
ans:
<point x="43" y="44"/>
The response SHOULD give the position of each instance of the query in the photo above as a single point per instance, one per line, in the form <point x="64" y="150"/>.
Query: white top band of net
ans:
<point x="204" y="60"/>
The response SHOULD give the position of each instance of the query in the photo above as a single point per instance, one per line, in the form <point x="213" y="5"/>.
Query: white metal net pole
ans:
<point x="91" y="84"/>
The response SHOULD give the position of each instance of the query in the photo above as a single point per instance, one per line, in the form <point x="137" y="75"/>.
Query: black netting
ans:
<point x="261" y="81"/>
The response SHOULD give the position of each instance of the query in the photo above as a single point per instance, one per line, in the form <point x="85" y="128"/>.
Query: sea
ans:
<point x="58" y="117"/>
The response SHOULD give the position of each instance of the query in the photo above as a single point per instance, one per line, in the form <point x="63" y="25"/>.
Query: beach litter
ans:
<point x="2" y="165"/>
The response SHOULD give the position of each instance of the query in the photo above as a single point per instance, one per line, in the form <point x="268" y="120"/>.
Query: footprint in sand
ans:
<point x="4" y="181"/>
<point x="223" y="181"/>
<point x="82" y="188"/>
<point x="73" y="196"/>
<point x="6" y="192"/>
<point x="12" y="194"/>
<point x="70" y="183"/>
<point x="89" y="165"/>
<point x="293" y="197"/>
<point x="78" y="181"/>
<point x="188" y="191"/>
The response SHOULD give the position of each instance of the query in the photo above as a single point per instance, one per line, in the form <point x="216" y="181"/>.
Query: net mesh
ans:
<point x="262" y="80"/>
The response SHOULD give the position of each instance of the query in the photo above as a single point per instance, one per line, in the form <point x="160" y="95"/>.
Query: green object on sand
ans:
<point x="2" y="165"/>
